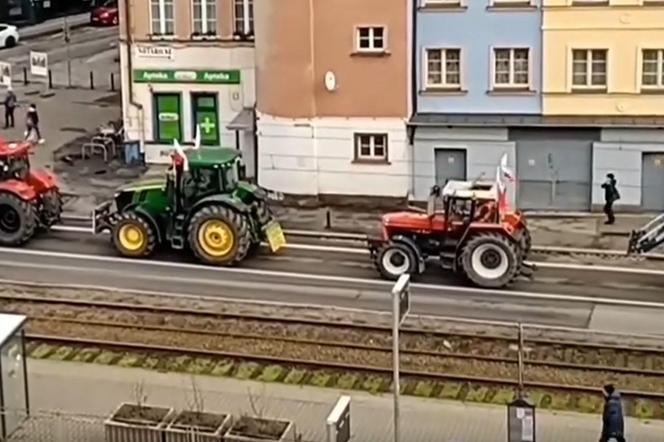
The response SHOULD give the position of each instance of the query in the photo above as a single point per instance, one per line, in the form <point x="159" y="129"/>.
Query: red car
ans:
<point x="106" y="15"/>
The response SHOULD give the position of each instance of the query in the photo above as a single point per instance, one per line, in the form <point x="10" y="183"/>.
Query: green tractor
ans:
<point x="202" y="204"/>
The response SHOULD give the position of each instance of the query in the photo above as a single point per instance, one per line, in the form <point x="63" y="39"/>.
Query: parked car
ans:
<point x="106" y="15"/>
<point x="8" y="36"/>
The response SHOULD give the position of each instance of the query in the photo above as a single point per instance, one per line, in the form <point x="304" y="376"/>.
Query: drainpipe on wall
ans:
<point x="130" y="74"/>
<point x="413" y="88"/>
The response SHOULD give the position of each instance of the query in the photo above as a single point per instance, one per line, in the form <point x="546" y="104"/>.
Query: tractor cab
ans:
<point x="464" y="201"/>
<point x="14" y="161"/>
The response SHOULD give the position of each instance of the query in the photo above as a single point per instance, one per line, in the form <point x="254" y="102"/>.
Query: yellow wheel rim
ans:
<point x="132" y="237"/>
<point x="216" y="238"/>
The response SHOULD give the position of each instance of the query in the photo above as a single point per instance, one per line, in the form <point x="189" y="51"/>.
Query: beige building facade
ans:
<point x="188" y="63"/>
<point x="333" y="96"/>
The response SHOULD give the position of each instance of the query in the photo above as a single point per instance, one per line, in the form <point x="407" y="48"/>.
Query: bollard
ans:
<point x="92" y="80"/>
<point x="25" y="76"/>
<point x="112" y="82"/>
<point x="328" y="219"/>
<point x="50" y="79"/>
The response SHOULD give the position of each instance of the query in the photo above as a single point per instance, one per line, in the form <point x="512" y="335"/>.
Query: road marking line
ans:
<point x="328" y="278"/>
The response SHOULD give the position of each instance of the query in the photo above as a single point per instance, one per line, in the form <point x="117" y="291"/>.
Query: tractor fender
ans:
<point x="147" y="216"/>
<point x="19" y="188"/>
<point x="222" y="200"/>
<point x="415" y="248"/>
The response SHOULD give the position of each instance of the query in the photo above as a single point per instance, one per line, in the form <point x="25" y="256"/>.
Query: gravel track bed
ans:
<point x="381" y="340"/>
<point x="341" y="355"/>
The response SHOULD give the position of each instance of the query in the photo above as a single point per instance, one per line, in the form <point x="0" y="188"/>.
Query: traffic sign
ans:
<point x="402" y="290"/>
<point x="39" y="64"/>
<point x="5" y="74"/>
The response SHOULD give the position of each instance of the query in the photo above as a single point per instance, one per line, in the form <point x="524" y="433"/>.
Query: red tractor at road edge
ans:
<point x="30" y="200"/>
<point x="474" y="234"/>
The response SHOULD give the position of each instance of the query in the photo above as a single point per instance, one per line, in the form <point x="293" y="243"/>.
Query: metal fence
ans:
<point x="60" y="427"/>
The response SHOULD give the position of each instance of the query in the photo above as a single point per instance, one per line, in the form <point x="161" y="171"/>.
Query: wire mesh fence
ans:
<point x="59" y="427"/>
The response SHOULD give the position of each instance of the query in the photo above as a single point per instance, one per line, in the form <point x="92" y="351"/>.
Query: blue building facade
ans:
<point x="477" y="62"/>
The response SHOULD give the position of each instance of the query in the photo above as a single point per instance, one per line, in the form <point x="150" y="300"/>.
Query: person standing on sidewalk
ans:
<point x="613" y="421"/>
<point x="10" y="105"/>
<point x="32" y="123"/>
<point x="611" y="195"/>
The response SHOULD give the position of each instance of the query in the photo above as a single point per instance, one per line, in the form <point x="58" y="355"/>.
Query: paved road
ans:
<point x="343" y="279"/>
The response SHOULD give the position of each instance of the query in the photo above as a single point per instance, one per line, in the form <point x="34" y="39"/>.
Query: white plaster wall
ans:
<point x="315" y="156"/>
<point x="231" y="98"/>
<point x="484" y="148"/>
<point x="625" y="161"/>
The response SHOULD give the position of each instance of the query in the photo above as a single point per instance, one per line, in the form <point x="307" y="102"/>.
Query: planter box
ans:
<point x="191" y="426"/>
<point x="133" y="423"/>
<point x="253" y="429"/>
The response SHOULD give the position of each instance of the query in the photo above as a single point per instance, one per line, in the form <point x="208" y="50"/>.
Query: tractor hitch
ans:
<point x="101" y="217"/>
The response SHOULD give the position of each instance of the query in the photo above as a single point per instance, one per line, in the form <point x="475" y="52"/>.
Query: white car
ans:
<point x="8" y="36"/>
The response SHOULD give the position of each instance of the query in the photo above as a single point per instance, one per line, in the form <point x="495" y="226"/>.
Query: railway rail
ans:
<point x="357" y="241"/>
<point x="339" y="346"/>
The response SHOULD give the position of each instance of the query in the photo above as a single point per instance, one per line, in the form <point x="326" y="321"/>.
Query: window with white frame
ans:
<point x="163" y="17"/>
<point x="205" y="17"/>
<point x="511" y="68"/>
<point x="589" y="67"/>
<point x="244" y="16"/>
<point x="371" y="147"/>
<point x="652" y="69"/>
<point x="371" y="39"/>
<point x="443" y="68"/>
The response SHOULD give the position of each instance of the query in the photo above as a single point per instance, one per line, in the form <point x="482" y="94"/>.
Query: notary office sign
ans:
<point x="161" y="52"/>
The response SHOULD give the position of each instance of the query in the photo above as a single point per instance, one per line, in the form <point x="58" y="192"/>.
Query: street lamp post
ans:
<point x="400" y="308"/>
<point x="67" y="40"/>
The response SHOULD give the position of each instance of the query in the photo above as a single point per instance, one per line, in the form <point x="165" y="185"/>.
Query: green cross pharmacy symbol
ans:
<point x="208" y="125"/>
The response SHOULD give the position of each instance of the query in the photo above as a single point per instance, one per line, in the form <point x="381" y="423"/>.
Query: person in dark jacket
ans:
<point x="10" y="105"/>
<point x="611" y="195"/>
<point x="613" y="422"/>
<point x="32" y="123"/>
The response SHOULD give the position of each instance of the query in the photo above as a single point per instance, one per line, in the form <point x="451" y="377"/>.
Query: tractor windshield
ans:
<point x="15" y="168"/>
<point x="231" y="176"/>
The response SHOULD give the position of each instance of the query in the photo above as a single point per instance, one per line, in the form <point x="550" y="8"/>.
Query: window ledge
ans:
<point x="368" y="162"/>
<point x="206" y="37"/>
<point x="587" y="3"/>
<point x="443" y="8"/>
<point x="512" y="7"/>
<point x="162" y="37"/>
<point x="511" y="91"/>
<point x="589" y="91"/>
<point x="652" y="90"/>
<point x="442" y="91"/>
<point x="378" y="54"/>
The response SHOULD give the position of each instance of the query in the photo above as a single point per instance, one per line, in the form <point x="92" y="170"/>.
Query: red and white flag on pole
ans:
<point x="505" y="170"/>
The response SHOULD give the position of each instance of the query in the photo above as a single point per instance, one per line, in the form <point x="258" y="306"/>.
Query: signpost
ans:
<point x="400" y="308"/>
<point x="520" y="421"/>
<point x="39" y="64"/>
<point x="5" y="74"/>
<point x="338" y="421"/>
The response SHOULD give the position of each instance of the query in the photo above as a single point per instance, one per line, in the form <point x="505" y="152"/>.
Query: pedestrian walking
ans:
<point x="613" y="421"/>
<point x="32" y="124"/>
<point x="10" y="105"/>
<point x="611" y="195"/>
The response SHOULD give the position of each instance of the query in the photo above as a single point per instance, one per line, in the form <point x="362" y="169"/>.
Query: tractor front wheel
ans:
<point x="219" y="236"/>
<point x="490" y="260"/>
<point x="18" y="220"/>
<point x="394" y="260"/>
<point x="51" y="208"/>
<point x="133" y="236"/>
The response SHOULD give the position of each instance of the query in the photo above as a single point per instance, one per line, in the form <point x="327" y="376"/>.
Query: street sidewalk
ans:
<point x="53" y="26"/>
<point x="97" y="390"/>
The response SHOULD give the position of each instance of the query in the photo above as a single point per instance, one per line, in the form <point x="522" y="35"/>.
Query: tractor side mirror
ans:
<point x="242" y="172"/>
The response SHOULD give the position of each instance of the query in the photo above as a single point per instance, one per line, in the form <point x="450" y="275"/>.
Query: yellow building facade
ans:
<point x="603" y="57"/>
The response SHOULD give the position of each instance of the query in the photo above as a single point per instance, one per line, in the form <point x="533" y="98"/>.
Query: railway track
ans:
<point x="349" y="242"/>
<point x="337" y="347"/>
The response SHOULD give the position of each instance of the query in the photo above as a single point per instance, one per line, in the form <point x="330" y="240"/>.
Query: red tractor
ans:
<point x="473" y="234"/>
<point x="30" y="200"/>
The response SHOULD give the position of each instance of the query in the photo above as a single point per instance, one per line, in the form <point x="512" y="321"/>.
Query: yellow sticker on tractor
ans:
<point x="275" y="236"/>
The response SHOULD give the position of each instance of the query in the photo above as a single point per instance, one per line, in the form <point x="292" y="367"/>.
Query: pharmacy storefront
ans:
<point x="176" y="100"/>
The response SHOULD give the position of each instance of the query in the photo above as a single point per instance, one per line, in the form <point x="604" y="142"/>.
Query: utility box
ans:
<point x="520" y="421"/>
<point x="14" y="397"/>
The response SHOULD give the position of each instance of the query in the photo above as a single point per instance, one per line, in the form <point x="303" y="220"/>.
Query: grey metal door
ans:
<point x="450" y="165"/>
<point x="554" y="169"/>
<point x="652" y="181"/>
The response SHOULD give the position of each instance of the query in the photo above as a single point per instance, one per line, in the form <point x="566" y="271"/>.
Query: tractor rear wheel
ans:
<point x="490" y="260"/>
<point x="18" y="220"/>
<point x="394" y="260"/>
<point x="219" y="236"/>
<point x="133" y="236"/>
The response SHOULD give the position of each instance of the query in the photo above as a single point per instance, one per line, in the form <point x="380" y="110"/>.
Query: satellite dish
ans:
<point x="330" y="81"/>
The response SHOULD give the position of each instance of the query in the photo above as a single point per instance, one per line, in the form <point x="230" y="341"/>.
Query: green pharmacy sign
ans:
<point x="186" y="76"/>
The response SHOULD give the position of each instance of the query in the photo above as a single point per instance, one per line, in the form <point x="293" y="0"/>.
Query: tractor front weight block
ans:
<point x="101" y="217"/>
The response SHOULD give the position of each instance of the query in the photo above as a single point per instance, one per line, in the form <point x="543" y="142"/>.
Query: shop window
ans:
<point x="205" y="114"/>
<point x="167" y="122"/>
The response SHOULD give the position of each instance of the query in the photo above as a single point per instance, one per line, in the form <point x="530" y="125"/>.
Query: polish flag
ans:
<point x="505" y="170"/>
<point x="180" y="156"/>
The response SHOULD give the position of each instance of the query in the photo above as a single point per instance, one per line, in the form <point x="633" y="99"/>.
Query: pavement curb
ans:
<point x="53" y="31"/>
